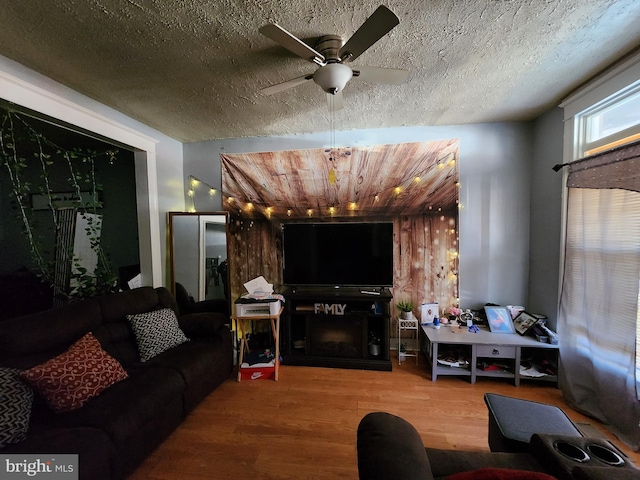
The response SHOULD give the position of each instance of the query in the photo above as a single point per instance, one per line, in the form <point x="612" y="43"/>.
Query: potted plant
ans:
<point x="402" y="354"/>
<point x="374" y="343"/>
<point x="406" y="309"/>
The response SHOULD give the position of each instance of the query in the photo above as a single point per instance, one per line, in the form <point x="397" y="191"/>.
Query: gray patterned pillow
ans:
<point x="156" y="332"/>
<point x="15" y="407"/>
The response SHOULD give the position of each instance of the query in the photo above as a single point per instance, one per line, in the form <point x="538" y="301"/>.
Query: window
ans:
<point x="614" y="118"/>
<point x="599" y="311"/>
<point x="610" y="123"/>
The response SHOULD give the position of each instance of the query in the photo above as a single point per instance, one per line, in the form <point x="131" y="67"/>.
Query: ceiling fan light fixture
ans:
<point x="333" y="77"/>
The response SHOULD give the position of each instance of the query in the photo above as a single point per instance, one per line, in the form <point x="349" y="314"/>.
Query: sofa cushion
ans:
<point x="115" y="306"/>
<point x="203" y="324"/>
<point x="500" y="474"/>
<point x="148" y="395"/>
<point x="30" y="340"/>
<point x="16" y="399"/>
<point x="156" y="332"/>
<point x="117" y="340"/>
<point x="82" y="372"/>
<point x="203" y="363"/>
<point x="587" y="472"/>
<point x="448" y="462"/>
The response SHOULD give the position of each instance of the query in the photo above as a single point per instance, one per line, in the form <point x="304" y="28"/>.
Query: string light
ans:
<point x="195" y="184"/>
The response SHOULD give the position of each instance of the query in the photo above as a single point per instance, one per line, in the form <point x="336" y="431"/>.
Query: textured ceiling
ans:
<point x="192" y="68"/>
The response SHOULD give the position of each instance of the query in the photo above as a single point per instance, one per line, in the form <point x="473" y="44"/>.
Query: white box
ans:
<point x="258" y="309"/>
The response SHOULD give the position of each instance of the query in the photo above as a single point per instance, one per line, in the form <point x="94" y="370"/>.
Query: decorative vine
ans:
<point x="15" y="133"/>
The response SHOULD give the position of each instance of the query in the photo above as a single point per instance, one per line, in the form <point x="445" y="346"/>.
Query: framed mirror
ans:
<point x="198" y="251"/>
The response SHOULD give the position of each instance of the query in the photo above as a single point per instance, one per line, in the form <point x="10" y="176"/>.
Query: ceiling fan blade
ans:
<point x="391" y="76"/>
<point x="292" y="43"/>
<point x="280" y="87"/>
<point x="373" y="29"/>
<point x="335" y="102"/>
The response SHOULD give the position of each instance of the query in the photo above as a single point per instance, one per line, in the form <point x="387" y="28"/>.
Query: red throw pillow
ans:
<point x="499" y="474"/>
<point x="67" y="381"/>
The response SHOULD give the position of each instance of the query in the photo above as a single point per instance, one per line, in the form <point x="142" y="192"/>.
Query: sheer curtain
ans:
<point x="598" y="315"/>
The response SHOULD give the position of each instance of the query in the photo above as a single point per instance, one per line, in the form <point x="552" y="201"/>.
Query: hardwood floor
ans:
<point x="304" y="425"/>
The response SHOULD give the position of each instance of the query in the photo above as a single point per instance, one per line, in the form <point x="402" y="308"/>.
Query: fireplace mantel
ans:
<point x="331" y="327"/>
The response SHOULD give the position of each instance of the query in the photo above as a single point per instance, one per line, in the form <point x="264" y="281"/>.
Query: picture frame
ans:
<point x="523" y="322"/>
<point x="499" y="320"/>
<point x="429" y="311"/>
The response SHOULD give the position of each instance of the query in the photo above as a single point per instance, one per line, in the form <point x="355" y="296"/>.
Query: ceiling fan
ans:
<point x="331" y="54"/>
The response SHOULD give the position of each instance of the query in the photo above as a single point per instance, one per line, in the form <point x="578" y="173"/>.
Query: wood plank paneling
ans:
<point x="255" y="248"/>
<point x="406" y="178"/>
<point x="425" y="256"/>
<point x="415" y="185"/>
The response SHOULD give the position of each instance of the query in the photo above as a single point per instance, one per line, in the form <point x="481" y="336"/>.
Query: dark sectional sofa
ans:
<point x="114" y="431"/>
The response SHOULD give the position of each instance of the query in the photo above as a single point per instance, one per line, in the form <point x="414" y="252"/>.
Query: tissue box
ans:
<point x="257" y="308"/>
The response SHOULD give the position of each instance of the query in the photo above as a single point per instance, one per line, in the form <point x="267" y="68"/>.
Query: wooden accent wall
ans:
<point x="255" y="248"/>
<point x="425" y="256"/>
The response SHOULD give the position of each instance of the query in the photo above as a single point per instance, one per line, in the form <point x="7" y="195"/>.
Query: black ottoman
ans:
<point x="512" y="422"/>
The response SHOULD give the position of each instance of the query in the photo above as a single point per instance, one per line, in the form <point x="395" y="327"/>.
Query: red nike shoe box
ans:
<point x="257" y="373"/>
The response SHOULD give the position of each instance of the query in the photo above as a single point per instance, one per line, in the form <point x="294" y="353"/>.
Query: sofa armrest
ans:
<point x="389" y="448"/>
<point x="202" y="324"/>
<point x="604" y="473"/>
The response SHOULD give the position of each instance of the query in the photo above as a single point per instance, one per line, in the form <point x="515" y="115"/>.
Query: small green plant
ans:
<point x="405" y="305"/>
<point x="403" y="348"/>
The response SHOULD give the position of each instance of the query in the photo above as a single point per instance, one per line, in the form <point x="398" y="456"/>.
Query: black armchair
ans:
<point x="186" y="303"/>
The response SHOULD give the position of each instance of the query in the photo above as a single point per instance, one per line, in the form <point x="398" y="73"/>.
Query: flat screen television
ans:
<point x="338" y="254"/>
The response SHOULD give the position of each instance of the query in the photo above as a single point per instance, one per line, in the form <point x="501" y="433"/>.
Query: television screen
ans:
<point x="338" y="254"/>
